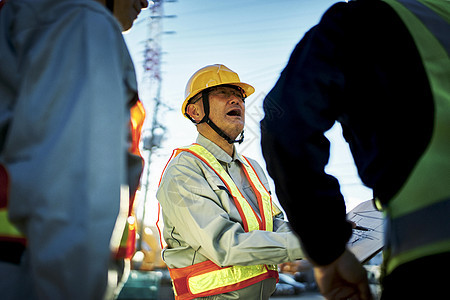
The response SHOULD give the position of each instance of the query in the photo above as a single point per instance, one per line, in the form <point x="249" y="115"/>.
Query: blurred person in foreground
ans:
<point x="67" y="84"/>
<point x="381" y="69"/>
<point x="224" y="235"/>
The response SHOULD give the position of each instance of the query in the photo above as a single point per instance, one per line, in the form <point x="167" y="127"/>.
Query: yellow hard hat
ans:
<point x="210" y="76"/>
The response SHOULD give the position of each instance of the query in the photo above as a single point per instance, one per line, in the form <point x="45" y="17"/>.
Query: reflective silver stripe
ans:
<point x="423" y="227"/>
<point x="435" y="23"/>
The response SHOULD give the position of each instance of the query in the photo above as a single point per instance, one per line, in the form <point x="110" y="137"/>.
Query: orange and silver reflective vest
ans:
<point x="14" y="242"/>
<point x="418" y="215"/>
<point x="207" y="278"/>
<point x="127" y="245"/>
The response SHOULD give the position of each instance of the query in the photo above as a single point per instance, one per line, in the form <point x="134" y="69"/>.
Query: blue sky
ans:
<point x="254" y="38"/>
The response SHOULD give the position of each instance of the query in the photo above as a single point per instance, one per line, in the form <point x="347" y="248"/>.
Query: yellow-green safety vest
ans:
<point x="418" y="215"/>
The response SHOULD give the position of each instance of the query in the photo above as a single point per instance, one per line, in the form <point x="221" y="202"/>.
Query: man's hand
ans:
<point x="345" y="278"/>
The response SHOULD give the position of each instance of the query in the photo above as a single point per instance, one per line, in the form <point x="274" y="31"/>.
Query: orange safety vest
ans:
<point x="207" y="278"/>
<point x="127" y="245"/>
<point x="16" y="240"/>
<point x="10" y="236"/>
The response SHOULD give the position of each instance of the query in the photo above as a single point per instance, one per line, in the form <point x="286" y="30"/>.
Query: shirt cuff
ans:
<point x="294" y="248"/>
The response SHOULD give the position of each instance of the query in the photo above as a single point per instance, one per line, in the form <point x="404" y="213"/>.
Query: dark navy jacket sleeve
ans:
<point x="352" y="67"/>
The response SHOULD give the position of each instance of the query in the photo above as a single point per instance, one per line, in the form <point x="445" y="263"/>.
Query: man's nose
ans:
<point x="233" y="99"/>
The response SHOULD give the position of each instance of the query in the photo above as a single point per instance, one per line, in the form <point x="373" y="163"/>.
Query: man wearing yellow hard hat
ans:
<point x="224" y="235"/>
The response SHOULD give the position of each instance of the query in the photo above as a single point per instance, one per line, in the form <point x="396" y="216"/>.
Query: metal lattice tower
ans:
<point x="153" y="130"/>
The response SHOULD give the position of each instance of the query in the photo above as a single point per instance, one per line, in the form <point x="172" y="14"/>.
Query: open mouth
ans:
<point x="234" y="113"/>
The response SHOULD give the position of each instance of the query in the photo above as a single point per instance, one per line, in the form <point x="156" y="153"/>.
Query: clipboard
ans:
<point x="369" y="240"/>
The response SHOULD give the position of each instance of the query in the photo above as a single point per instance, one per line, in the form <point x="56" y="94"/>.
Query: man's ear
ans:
<point x="194" y="112"/>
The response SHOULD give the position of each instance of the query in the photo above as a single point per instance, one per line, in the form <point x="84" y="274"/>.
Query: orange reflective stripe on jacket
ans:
<point x="207" y="278"/>
<point x="128" y="241"/>
<point x="137" y="117"/>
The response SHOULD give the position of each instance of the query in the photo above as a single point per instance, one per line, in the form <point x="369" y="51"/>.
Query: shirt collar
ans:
<point x="218" y="152"/>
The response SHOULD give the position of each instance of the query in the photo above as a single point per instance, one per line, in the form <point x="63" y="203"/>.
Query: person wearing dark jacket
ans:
<point x="382" y="70"/>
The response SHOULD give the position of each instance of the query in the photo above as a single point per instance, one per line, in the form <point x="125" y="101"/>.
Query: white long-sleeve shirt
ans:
<point x="66" y="84"/>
